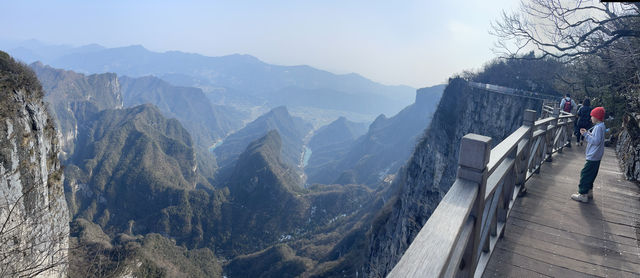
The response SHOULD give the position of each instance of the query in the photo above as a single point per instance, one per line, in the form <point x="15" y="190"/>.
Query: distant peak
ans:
<point x="280" y="110"/>
<point x="426" y="95"/>
<point x="268" y="145"/>
<point x="341" y="121"/>
<point x="246" y="58"/>
<point x="353" y="74"/>
<point x="378" y="121"/>
<point x="37" y="64"/>
<point x="380" y="117"/>
<point x="272" y="135"/>
<point x="93" y="46"/>
<point x="136" y="47"/>
<point x="241" y="55"/>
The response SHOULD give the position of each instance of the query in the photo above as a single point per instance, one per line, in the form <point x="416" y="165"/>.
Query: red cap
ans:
<point x="598" y="113"/>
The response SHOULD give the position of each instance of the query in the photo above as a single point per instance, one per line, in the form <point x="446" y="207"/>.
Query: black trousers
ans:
<point x="588" y="176"/>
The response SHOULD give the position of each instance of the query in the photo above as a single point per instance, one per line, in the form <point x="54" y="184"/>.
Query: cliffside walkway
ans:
<point x="549" y="235"/>
<point x="486" y="226"/>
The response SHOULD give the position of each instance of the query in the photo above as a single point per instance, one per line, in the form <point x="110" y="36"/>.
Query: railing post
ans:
<point x="567" y="132"/>
<point x="522" y="161"/>
<point x="551" y="132"/>
<point x="560" y="132"/>
<point x="475" y="151"/>
<point x="541" y="153"/>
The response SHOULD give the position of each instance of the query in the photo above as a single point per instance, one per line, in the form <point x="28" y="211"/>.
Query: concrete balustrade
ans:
<point x="460" y="235"/>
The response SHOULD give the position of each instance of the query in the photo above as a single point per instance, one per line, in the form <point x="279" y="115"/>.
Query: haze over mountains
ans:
<point x="232" y="80"/>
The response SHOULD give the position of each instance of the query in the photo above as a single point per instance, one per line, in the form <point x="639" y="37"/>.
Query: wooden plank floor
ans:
<point x="550" y="235"/>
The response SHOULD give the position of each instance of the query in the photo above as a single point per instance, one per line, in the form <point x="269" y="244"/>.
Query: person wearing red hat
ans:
<point x="595" y="149"/>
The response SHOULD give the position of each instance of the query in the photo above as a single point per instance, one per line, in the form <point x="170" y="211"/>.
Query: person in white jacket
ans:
<point x="567" y="104"/>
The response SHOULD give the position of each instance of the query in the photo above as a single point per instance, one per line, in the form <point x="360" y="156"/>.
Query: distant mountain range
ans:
<point x="233" y="79"/>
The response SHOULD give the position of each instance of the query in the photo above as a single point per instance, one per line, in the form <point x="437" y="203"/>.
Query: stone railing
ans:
<point x="511" y="91"/>
<point x="460" y="235"/>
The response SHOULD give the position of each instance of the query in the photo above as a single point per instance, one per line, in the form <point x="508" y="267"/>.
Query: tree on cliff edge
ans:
<point x="566" y="29"/>
<point x="597" y="41"/>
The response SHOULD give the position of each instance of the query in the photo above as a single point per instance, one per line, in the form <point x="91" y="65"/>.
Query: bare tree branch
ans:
<point x="561" y="29"/>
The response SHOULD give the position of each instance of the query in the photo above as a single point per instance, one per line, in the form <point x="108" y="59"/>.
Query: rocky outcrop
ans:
<point x="33" y="213"/>
<point x="292" y="131"/>
<point x="75" y="98"/>
<point x="338" y="132"/>
<point x="628" y="147"/>
<point x="205" y="122"/>
<point x="431" y="170"/>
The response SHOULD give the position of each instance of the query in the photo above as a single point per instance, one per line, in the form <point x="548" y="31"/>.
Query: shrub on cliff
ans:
<point x="17" y="75"/>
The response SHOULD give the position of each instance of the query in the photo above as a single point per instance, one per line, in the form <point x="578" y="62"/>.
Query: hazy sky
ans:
<point x="416" y="43"/>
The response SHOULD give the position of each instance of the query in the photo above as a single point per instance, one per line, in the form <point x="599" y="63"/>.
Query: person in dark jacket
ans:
<point x="576" y="129"/>
<point x="584" y="119"/>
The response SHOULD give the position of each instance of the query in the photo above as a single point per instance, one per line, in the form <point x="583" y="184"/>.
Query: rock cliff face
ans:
<point x="628" y="147"/>
<point x="33" y="212"/>
<point x="431" y="170"/>
<point x="75" y="98"/>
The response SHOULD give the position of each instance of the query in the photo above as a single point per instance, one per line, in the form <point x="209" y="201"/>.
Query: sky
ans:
<point x="415" y="43"/>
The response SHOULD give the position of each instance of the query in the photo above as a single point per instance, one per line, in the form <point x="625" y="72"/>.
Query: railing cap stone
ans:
<point x="475" y="151"/>
<point x="529" y="116"/>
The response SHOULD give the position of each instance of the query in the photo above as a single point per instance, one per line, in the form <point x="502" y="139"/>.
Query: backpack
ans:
<point x="567" y="105"/>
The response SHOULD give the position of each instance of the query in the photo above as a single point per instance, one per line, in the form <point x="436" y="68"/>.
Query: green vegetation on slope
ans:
<point x="129" y="163"/>
<point x="17" y="75"/>
<point x="94" y="254"/>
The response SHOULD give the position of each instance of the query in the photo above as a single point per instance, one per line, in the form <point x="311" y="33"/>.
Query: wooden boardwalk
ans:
<point x="549" y="235"/>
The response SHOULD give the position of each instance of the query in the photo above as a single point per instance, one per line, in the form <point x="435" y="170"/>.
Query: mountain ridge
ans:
<point x="237" y="78"/>
<point x="291" y="129"/>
